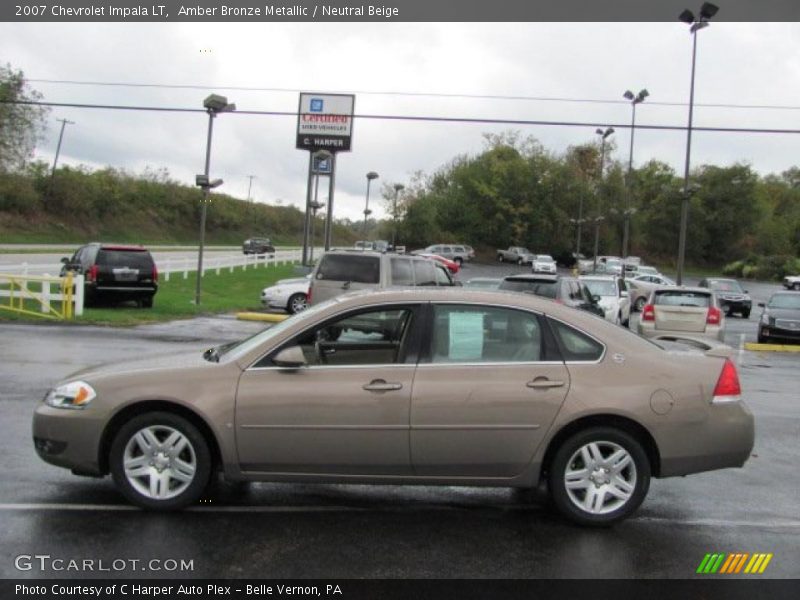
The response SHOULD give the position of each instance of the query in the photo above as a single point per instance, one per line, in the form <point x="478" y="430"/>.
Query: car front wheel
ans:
<point x="297" y="303"/>
<point x="160" y="461"/>
<point x="599" y="476"/>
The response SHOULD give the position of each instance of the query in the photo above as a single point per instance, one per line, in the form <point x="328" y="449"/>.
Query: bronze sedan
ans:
<point x="422" y="386"/>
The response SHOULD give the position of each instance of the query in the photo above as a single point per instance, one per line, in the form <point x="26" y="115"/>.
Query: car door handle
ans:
<point x="379" y="385"/>
<point x="544" y="383"/>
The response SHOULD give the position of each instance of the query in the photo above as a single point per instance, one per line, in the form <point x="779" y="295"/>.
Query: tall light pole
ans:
<point x="370" y="176"/>
<point x="398" y="187"/>
<point x="603" y="136"/>
<point x="634" y="100"/>
<point x="707" y="11"/>
<point x="214" y="105"/>
<point x="250" y="186"/>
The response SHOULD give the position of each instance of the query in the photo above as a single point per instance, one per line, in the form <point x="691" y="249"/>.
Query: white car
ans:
<point x="792" y="282"/>
<point x="613" y="297"/>
<point x="289" y="294"/>
<point x="543" y="263"/>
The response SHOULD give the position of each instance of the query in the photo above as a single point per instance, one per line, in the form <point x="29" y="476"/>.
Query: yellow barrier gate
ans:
<point x="17" y="296"/>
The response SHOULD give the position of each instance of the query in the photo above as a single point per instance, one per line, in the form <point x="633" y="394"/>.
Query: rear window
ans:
<point x="135" y="259"/>
<point x="424" y="272"/>
<point x="547" y="289"/>
<point x="673" y="298"/>
<point x="340" y="267"/>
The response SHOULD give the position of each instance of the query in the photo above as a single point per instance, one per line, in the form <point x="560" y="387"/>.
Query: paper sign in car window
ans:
<point x="466" y="336"/>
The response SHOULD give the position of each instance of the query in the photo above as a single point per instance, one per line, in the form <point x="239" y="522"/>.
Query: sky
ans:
<point x="423" y="69"/>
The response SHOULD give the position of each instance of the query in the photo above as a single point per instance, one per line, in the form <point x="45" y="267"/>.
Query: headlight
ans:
<point x="76" y="394"/>
<point x="765" y="319"/>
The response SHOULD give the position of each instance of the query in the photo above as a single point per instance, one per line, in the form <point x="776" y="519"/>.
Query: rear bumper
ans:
<point x="648" y="330"/>
<point x="724" y="440"/>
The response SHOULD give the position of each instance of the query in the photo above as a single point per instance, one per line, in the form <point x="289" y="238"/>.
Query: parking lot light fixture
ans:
<point x="214" y="104"/>
<point x="707" y="11"/>
<point x="604" y="134"/>
<point x="634" y="100"/>
<point x="398" y="187"/>
<point x="367" y="212"/>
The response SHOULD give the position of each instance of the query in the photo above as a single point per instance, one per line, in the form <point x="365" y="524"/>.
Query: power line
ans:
<point x="409" y="94"/>
<point x="527" y="122"/>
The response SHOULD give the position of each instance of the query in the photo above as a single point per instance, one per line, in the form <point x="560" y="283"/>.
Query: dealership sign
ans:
<point x="325" y="122"/>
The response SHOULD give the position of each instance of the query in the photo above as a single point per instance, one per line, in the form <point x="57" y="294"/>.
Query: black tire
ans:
<point x="728" y="310"/>
<point x="147" y="302"/>
<point x="638" y="468"/>
<point x="293" y="305"/>
<point x="196" y="448"/>
<point x="761" y="339"/>
<point x="745" y="314"/>
<point x="640" y="304"/>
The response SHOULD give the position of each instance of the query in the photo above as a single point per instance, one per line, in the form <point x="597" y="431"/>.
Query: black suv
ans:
<point x="564" y="290"/>
<point x="258" y="246"/>
<point x="732" y="298"/>
<point x="114" y="273"/>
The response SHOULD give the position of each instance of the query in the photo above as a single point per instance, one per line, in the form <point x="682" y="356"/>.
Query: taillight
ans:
<point x="155" y="273"/>
<point x="727" y="388"/>
<point x="91" y="274"/>
<point x="714" y="316"/>
<point x="649" y="313"/>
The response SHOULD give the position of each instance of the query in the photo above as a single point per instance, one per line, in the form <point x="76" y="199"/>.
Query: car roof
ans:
<point x="684" y="288"/>
<point x="597" y="278"/>
<point x="532" y="277"/>
<point x="119" y="247"/>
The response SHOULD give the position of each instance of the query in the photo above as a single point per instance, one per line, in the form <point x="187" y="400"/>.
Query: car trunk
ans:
<point x="124" y="268"/>
<point x="681" y="318"/>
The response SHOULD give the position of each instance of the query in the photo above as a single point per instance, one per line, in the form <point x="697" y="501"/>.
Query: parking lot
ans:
<point x="337" y="531"/>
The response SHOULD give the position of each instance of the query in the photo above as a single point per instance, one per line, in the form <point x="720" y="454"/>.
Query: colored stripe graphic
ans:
<point x="733" y="563"/>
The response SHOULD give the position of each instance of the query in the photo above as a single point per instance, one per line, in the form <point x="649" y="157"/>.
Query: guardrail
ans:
<point x="27" y="292"/>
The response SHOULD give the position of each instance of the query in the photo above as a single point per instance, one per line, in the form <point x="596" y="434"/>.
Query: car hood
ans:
<point x="162" y="362"/>
<point x="296" y="280"/>
<point x="783" y="313"/>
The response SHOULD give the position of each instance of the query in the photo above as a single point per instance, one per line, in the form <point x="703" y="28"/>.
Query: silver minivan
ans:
<point x="343" y="271"/>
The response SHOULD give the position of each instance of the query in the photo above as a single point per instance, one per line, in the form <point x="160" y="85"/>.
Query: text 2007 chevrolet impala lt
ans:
<point x="419" y="386"/>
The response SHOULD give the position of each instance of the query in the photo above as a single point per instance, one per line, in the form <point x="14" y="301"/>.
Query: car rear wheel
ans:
<point x="639" y="304"/>
<point x="599" y="476"/>
<point x="745" y="314"/>
<point x="160" y="461"/>
<point x="297" y="303"/>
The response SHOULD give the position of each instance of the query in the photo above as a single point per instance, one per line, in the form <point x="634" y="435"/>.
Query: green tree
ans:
<point x="21" y="125"/>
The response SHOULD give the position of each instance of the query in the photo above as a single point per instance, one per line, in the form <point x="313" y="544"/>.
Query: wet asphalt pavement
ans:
<point x="336" y="531"/>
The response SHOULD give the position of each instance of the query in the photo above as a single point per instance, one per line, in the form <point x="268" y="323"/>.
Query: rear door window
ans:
<point x="347" y="267"/>
<point x="402" y="272"/>
<point x="576" y="345"/>
<point x="424" y="272"/>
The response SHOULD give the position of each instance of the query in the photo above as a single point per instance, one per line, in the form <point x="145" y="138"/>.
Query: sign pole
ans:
<point x="307" y="220"/>
<point x="329" y="218"/>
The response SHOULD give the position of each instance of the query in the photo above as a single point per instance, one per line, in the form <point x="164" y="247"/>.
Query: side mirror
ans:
<point x="291" y="358"/>
<point x="761" y="304"/>
<point x="596" y="298"/>
<point x="65" y="261"/>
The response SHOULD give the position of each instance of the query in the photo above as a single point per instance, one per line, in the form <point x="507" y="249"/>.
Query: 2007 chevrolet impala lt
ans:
<point x="421" y="386"/>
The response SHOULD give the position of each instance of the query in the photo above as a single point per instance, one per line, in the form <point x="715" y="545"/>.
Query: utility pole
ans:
<point x="64" y="123"/>
<point x="250" y="186"/>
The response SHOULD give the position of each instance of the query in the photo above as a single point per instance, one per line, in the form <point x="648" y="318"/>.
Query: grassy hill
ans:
<point x="79" y="205"/>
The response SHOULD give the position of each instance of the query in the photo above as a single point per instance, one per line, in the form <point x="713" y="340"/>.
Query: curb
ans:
<point x="771" y="347"/>
<point x="254" y="316"/>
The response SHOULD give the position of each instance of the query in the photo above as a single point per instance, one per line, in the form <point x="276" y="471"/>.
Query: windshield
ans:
<point x="601" y="288"/>
<point x="544" y="258"/>
<point x="725" y="285"/>
<point x="785" y="301"/>
<point x="547" y="289"/>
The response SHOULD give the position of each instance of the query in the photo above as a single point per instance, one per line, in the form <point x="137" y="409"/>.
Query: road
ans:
<point x="305" y="531"/>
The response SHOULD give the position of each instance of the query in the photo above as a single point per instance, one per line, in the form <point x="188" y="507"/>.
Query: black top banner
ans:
<point x="332" y="11"/>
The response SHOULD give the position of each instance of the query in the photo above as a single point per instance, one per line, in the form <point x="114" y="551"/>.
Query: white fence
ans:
<point x="42" y="291"/>
<point x="185" y="264"/>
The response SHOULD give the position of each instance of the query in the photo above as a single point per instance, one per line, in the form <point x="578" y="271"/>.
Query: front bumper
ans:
<point x="770" y="332"/>
<point x="67" y="438"/>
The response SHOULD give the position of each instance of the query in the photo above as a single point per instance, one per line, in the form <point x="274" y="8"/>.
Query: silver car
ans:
<point x="682" y="310"/>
